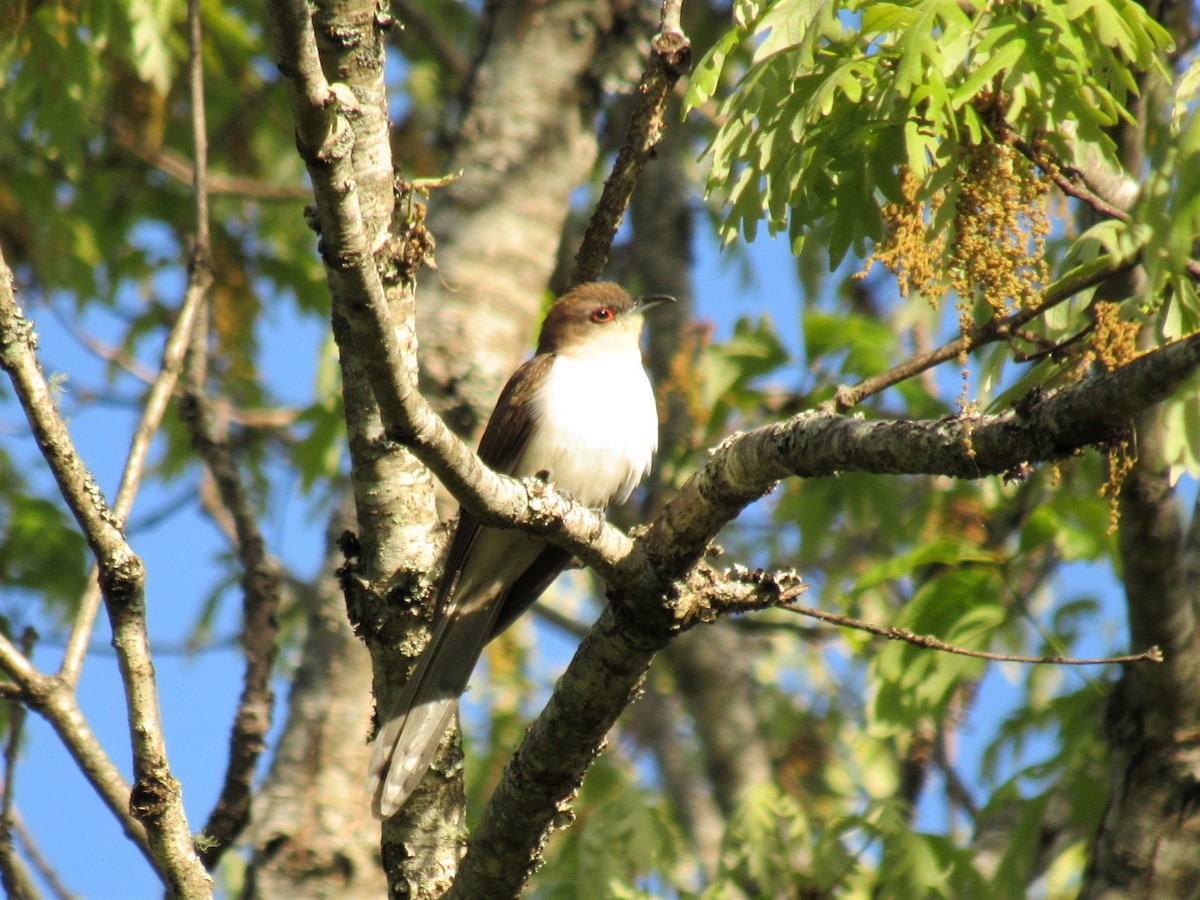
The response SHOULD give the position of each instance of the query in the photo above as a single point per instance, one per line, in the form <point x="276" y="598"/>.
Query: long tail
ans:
<point x="501" y="575"/>
<point x="408" y="740"/>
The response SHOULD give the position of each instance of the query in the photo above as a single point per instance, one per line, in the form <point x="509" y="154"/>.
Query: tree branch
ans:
<point x="670" y="57"/>
<point x="155" y="406"/>
<point x="893" y="633"/>
<point x="999" y="328"/>
<point x="39" y="862"/>
<point x="646" y="610"/>
<point x="432" y="37"/>
<point x="260" y="576"/>
<point x="1074" y="183"/>
<point x="181" y="169"/>
<point x="260" y="603"/>
<point x="52" y="698"/>
<point x="155" y="798"/>
<point x="604" y="677"/>
<point x="13" y="874"/>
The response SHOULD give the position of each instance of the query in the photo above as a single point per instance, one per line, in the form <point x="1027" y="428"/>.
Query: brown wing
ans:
<point x="531" y="585"/>
<point x="504" y="440"/>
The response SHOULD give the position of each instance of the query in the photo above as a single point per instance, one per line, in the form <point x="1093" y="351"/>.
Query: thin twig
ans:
<point x="200" y="179"/>
<point x="18" y="884"/>
<point x="13" y="874"/>
<point x="265" y="417"/>
<point x="893" y="633"/>
<point x="38" y="861"/>
<point x="16" y="722"/>
<point x="551" y="616"/>
<point x="117" y="356"/>
<point x="157" y="400"/>
<point x="957" y="791"/>
<point x="432" y="37"/>
<point x="156" y="405"/>
<point x="261" y="592"/>
<point x="52" y="698"/>
<point x="181" y="169"/>
<point x="260" y="577"/>
<point x="1067" y="179"/>
<point x="185" y="647"/>
<point x="1072" y="182"/>
<point x="997" y="329"/>
<point x="670" y="57"/>
<point x="762" y="625"/>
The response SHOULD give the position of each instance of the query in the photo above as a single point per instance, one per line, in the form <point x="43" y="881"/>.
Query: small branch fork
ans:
<point x="1072" y="182"/>
<point x="14" y="877"/>
<point x="260" y="575"/>
<point x="152" y="812"/>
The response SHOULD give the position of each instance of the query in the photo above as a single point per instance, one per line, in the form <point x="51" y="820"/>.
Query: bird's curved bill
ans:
<point x="652" y="300"/>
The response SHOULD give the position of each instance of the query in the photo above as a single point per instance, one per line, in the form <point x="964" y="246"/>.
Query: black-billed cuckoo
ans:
<point x="581" y="410"/>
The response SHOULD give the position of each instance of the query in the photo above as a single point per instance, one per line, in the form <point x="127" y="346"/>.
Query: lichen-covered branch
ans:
<point x="155" y="799"/>
<point x="54" y="700"/>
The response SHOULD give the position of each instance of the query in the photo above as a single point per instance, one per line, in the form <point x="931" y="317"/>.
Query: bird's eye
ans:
<point x="602" y="314"/>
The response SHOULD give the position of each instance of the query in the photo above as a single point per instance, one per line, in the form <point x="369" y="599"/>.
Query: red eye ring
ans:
<point x="601" y="314"/>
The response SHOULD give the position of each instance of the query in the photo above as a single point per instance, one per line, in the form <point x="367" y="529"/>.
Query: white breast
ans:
<point x="597" y="426"/>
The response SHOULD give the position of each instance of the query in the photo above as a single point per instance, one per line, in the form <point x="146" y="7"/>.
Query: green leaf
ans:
<point x="785" y="25"/>
<point x="1187" y="86"/>
<point x="753" y="350"/>
<point x="943" y="552"/>
<point x="41" y="550"/>
<point x="150" y="24"/>
<point x="881" y="18"/>
<point x="707" y="73"/>
<point x="960" y="607"/>
<point x="1011" y="48"/>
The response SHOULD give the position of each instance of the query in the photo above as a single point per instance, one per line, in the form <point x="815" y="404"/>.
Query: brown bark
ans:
<point x="1148" y="841"/>
<point x="657" y="587"/>
<point x="526" y="142"/>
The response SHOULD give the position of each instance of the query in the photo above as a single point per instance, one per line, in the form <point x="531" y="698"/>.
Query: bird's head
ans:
<point x="595" y="315"/>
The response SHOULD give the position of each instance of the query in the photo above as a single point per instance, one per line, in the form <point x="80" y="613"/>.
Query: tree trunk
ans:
<point x="313" y="834"/>
<point x="1148" y="838"/>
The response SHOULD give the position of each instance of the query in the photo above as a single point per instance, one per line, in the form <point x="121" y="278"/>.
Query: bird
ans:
<point x="580" y="411"/>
